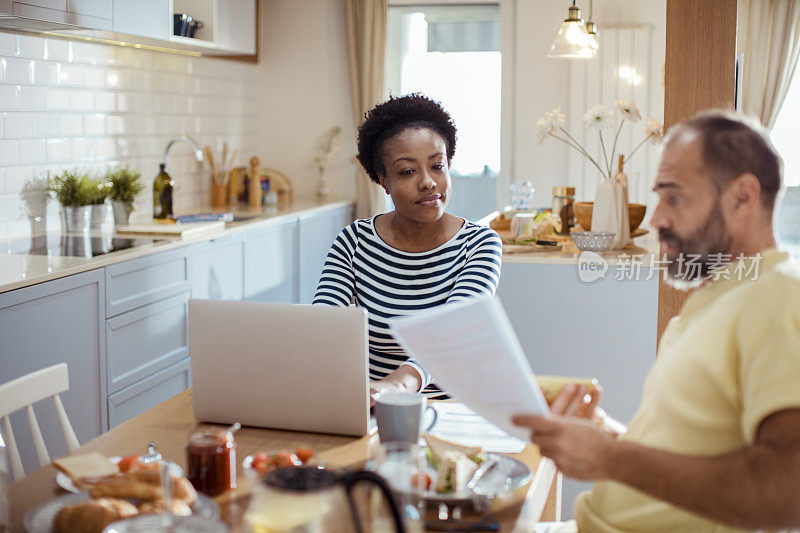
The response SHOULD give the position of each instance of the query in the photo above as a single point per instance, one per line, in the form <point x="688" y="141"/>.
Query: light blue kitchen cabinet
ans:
<point x="59" y="321"/>
<point x="146" y="340"/>
<point x="145" y="280"/>
<point x="270" y="263"/>
<point x="216" y="269"/>
<point x="148" y="393"/>
<point x="316" y="233"/>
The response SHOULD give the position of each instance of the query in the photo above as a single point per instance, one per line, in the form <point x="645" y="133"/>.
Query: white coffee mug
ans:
<point x="400" y="415"/>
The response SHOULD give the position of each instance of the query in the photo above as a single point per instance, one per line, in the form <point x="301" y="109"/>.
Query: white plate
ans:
<point x="507" y="475"/>
<point x="40" y="519"/>
<point x="64" y="481"/>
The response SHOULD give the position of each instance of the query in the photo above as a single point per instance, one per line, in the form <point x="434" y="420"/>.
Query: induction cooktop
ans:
<point x="73" y="245"/>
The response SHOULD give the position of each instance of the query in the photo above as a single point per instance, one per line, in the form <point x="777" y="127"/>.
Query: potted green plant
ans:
<point x="125" y="183"/>
<point x="75" y="192"/>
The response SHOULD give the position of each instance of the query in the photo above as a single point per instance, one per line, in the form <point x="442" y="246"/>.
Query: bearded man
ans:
<point x="715" y="444"/>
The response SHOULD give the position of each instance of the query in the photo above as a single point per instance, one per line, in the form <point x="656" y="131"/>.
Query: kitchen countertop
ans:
<point x="23" y="270"/>
<point x="643" y="251"/>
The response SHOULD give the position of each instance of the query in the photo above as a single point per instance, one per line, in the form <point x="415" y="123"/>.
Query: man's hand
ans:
<point x="573" y="400"/>
<point x="578" y="447"/>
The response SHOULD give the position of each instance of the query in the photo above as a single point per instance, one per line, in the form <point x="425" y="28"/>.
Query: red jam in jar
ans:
<point x="211" y="461"/>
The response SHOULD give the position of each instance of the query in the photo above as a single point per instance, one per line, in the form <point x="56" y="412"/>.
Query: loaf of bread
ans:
<point x="92" y="516"/>
<point x="177" y="507"/>
<point x="141" y="485"/>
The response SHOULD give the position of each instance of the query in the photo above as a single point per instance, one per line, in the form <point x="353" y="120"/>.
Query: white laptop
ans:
<point x="295" y="367"/>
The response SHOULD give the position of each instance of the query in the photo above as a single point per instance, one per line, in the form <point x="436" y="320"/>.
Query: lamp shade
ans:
<point x="573" y="40"/>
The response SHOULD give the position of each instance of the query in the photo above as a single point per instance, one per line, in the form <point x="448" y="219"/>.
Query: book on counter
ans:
<point x="202" y="217"/>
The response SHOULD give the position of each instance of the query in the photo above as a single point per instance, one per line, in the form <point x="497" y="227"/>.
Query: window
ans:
<point x="785" y="135"/>
<point x="452" y="54"/>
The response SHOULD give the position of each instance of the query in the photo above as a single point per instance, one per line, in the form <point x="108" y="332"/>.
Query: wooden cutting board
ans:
<point x="172" y="230"/>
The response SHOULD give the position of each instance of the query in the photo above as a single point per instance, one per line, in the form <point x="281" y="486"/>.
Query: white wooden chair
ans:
<point x="22" y="393"/>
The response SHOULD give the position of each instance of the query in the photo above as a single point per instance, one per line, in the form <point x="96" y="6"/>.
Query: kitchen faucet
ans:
<point x="198" y="152"/>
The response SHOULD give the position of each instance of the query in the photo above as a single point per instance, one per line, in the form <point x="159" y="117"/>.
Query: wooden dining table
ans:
<point x="170" y="422"/>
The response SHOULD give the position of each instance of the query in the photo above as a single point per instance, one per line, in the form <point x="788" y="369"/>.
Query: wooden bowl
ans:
<point x="583" y="214"/>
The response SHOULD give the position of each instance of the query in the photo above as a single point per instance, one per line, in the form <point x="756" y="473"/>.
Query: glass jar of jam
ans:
<point x="211" y="461"/>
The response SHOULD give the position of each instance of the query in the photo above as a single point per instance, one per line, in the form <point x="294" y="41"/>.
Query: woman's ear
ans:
<point x="384" y="184"/>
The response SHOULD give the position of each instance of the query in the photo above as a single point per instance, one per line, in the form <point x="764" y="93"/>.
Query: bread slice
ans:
<point x="84" y="465"/>
<point x="439" y="447"/>
<point x="455" y="471"/>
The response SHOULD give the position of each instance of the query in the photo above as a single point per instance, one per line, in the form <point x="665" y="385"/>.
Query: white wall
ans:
<point x="303" y="90"/>
<point x="541" y="84"/>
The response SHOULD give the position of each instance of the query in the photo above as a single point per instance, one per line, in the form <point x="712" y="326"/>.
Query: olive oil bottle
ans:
<point x="162" y="194"/>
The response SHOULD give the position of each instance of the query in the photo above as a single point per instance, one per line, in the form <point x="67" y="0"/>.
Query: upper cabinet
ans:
<point x="216" y="26"/>
<point x="56" y="15"/>
<point x="220" y="27"/>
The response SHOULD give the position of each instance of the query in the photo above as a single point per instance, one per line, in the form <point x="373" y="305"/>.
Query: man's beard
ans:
<point x="692" y="265"/>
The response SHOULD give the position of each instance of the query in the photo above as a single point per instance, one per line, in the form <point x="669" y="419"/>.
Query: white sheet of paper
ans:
<point x="458" y="423"/>
<point x="472" y="352"/>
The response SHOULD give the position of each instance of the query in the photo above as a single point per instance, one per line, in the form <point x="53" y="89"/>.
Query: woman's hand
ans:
<point x="404" y="379"/>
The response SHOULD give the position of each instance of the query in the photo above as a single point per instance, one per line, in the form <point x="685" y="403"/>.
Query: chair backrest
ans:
<point x="22" y="393"/>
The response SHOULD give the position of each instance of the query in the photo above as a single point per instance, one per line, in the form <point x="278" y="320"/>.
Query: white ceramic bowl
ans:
<point x="592" y="241"/>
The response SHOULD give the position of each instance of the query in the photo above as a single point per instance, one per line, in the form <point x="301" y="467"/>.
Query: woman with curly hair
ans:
<point x="417" y="256"/>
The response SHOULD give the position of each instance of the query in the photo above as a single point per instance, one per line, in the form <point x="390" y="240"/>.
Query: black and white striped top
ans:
<point x="362" y="269"/>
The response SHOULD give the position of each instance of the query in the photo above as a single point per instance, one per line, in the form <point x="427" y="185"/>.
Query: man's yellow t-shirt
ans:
<point x="726" y="362"/>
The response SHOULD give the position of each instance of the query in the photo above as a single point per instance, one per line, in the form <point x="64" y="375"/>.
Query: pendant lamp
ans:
<point x="573" y="40"/>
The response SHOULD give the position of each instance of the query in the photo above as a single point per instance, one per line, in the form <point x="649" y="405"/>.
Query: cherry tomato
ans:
<point x="421" y="479"/>
<point x="129" y="463"/>
<point x="304" y="454"/>
<point x="284" y="459"/>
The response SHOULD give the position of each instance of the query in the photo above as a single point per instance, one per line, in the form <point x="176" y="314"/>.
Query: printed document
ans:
<point x="472" y="352"/>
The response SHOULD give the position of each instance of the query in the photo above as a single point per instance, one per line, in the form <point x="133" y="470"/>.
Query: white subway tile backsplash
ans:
<point x="83" y="149"/>
<point x="45" y="72"/>
<point x="57" y="49"/>
<point x="10" y="207"/>
<point x="70" y="124"/>
<point x="9" y="152"/>
<point x="72" y="104"/>
<point x="105" y="148"/>
<point x="31" y="46"/>
<point x="32" y="152"/>
<point x="70" y="74"/>
<point x="45" y="124"/>
<point x="59" y="150"/>
<point x="104" y="101"/>
<point x="8" y="97"/>
<point x="8" y="43"/>
<point x="18" y="125"/>
<point x="56" y="99"/>
<point x="17" y="70"/>
<point x="94" y="77"/>
<point x="81" y="100"/>
<point x="31" y="98"/>
<point x="16" y="178"/>
<point x="94" y="124"/>
<point x="115" y="125"/>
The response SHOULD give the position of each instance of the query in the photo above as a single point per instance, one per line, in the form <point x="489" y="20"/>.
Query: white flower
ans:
<point x="627" y="110"/>
<point x="549" y="123"/>
<point x="543" y="129"/>
<point x="599" y="116"/>
<point x="654" y="130"/>
<point x="555" y="119"/>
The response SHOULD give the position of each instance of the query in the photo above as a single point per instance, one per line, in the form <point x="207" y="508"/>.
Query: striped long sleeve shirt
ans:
<point x="362" y="269"/>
